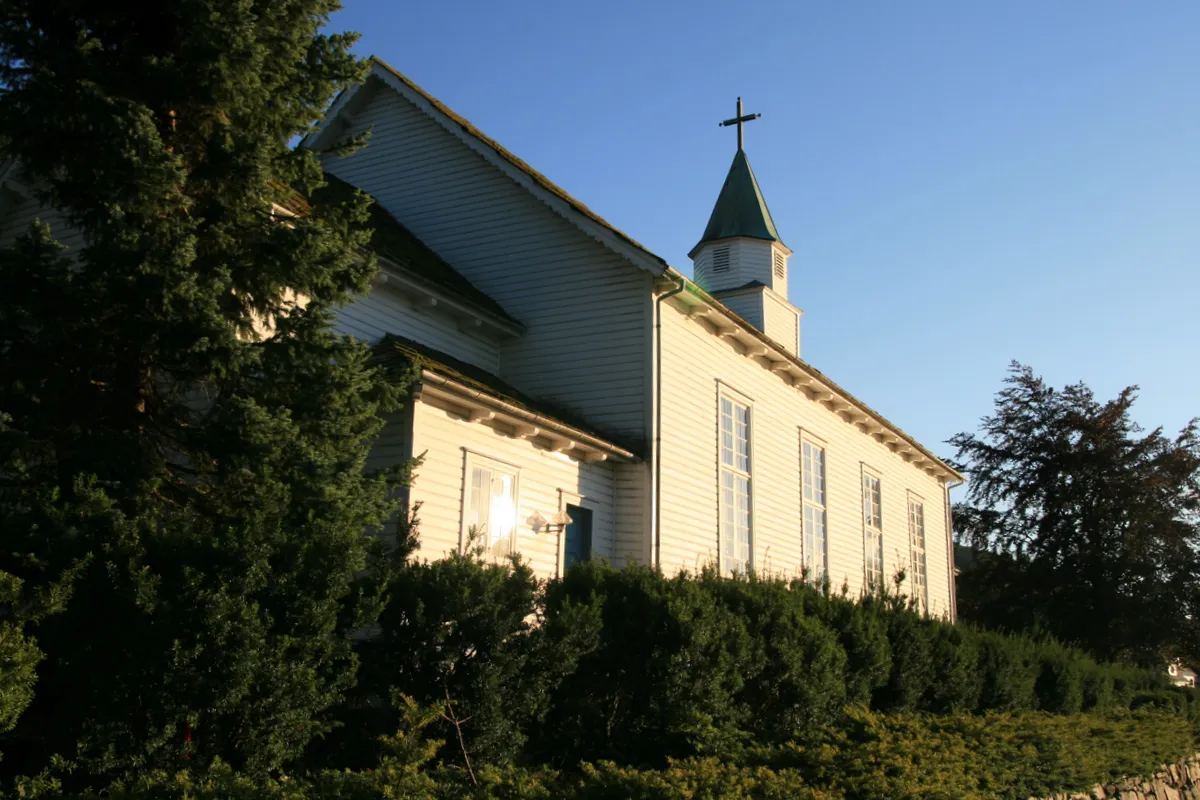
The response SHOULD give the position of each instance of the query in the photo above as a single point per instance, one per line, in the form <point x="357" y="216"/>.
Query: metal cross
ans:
<point x="738" y="120"/>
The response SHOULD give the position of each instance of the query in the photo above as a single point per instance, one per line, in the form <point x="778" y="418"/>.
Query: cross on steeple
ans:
<point x="738" y="120"/>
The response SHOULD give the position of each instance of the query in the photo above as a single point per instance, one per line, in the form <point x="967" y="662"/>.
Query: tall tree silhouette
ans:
<point x="1091" y="528"/>
<point x="178" y="416"/>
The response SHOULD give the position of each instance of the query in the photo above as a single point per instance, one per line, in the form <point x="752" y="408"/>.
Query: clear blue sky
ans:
<point x="963" y="183"/>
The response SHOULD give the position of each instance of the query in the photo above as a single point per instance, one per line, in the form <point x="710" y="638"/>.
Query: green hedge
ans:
<point x="636" y="668"/>
<point x="870" y="756"/>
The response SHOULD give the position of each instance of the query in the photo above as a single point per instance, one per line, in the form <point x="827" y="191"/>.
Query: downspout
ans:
<point x="656" y="454"/>
<point x="950" y="552"/>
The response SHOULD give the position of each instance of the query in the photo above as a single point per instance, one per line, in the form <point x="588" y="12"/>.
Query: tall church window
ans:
<point x="490" y="506"/>
<point x="812" y="478"/>
<point x="873" y="530"/>
<point x="736" y="534"/>
<point x="916" y="552"/>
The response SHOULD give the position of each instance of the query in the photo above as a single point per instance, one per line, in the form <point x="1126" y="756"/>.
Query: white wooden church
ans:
<point x="580" y="398"/>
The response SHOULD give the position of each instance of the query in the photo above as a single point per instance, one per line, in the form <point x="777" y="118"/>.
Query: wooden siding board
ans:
<point x="584" y="307"/>
<point x="20" y="217"/>
<point x="381" y="312"/>
<point x="781" y="322"/>
<point x="694" y="364"/>
<point x="748" y="307"/>
<point x="631" y="514"/>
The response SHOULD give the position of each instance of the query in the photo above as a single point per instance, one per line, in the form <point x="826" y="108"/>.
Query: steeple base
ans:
<point x="766" y="310"/>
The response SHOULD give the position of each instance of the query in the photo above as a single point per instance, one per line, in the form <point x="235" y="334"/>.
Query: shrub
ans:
<point x="465" y="636"/>
<point x="1097" y="687"/>
<point x="709" y="778"/>
<point x="912" y="671"/>
<point x="664" y="676"/>
<point x="996" y="755"/>
<point x="795" y="671"/>
<point x="861" y="630"/>
<point x="1059" y="683"/>
<point x="1006" y="665"/>
<point x="632" y="667"/>
<point x="957" y="677"/>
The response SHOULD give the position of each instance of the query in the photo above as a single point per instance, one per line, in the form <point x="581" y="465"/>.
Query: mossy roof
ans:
<point x="397" y="352"/>
<point x="398" y="245"/>
<point x="537" y="177"/>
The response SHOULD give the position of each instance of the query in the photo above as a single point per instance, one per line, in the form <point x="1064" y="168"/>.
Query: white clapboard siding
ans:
<point x="444" y="439"/>
<point x="732" y="263"/>
<point x="20" y="215"/>
<point x="585" y="309"/>
<point x="748" y="306"/>
<point x="632" y="535"/>
<point x="695" y="363"/>
<point x="781" y="321"/>
<point x="383" y="311"/>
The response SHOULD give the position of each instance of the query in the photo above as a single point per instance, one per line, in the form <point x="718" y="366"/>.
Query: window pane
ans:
<point x="477" y="504"/>
<point x="726" y="432"/>
<point x="502" y="514"/>
<point x="819" y="475"/>
<point x="742" y="437"/>
<point x="809" y="542"/>
<point x="916" y="537"/>
<point x="821" y="551"/>
<point x="735" y="487"/>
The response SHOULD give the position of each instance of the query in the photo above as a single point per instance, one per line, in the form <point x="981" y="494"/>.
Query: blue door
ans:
<point x="578" y="545"/>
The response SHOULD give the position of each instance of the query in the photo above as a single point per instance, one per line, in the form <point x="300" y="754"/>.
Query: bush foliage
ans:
<point x="868" y="757"/>
<point x="636" y="668"/>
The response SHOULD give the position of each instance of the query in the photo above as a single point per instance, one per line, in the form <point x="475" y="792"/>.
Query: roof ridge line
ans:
<point x="507" y="155"/>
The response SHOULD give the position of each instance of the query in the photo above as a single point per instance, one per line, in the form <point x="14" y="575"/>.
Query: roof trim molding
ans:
<point x="541" y="187"/>
<point x="486" y="409"/>
<point x="396" y="278"/>
<point x="9" y="178"/>
<point x="754" y="344"/>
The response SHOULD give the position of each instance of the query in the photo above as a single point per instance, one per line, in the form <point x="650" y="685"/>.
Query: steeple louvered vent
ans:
<point x="720" y="259"/>
<point x="780" y="265"/>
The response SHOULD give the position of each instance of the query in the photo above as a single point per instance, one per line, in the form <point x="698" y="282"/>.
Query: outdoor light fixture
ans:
<point x="558" y="523"/>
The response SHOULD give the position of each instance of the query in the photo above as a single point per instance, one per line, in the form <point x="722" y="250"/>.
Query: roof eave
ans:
<point x="562" y="437"/>
<point x="779" y="354"/>
<point x="396" y="276"/>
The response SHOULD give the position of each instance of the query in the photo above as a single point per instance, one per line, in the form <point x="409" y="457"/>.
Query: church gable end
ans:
<point x="581" y="288"/>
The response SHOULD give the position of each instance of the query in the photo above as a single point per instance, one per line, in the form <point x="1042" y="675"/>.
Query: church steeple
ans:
<point x="740" y="259"/>
<point x="741" y="209"/>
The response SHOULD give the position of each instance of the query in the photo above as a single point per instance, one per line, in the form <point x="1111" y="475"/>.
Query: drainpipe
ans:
<point x="656" y="454"/>
<point x="950" y="552"/>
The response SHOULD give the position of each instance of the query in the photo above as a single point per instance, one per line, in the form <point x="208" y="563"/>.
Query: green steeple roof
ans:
<point x="740" y="209"/>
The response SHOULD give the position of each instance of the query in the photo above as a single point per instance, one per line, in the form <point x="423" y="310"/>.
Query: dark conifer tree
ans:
<point x="180" y="425"/>
<point x="1092" y="530"/>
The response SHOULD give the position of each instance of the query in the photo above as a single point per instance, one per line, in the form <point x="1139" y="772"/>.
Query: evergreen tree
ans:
<point x="1092" y="531"/>
<point x="182" y="425"/>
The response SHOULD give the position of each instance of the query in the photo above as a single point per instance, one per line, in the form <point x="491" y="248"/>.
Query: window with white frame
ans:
<point x="812" y="478"/>
<point x="873" y="530"/>
<point x="490" y="506"/>
<point x="916" y="552"/>
<point x="736" y="542"/>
